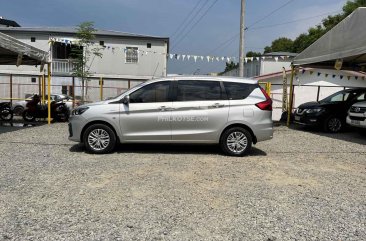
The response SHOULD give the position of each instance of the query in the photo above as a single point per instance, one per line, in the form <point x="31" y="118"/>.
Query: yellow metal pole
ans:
<point x="42" y="89"/>
<point x="289" y="108"/>
<point x="49" y="93"/>
<point x="268" y="88"/>
<point x="101" y="88"/>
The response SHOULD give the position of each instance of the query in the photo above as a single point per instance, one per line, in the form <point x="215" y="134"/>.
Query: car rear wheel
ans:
<point x="99" y="139"/>
<point x="236" y="141"/>
<point x="333" y="124"/>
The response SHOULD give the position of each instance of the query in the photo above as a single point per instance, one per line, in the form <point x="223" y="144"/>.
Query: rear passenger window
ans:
<point x="239" y="91"/>
<point x="196" y="90"/>
<point x="155" y="92"/>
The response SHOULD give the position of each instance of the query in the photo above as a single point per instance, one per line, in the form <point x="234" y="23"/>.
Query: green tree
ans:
<point x="231" y="66"/>
<point x="280" y="45"/>
<point x="253" y="54"/>
<point x="306" y="39"/>
<point x="83" y="53"/>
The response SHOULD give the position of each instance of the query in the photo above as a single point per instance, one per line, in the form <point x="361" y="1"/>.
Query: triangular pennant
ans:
<point x="303" y="71"/>
<point x="188" y="57"/>
<point x="282" y="57"/>
<point x="263" y="58"/>
<point x="326" y="75"/>
<point x="333" y="76"/>
<point x="217" y="59"/>
<point x="257" y="58"/>
<point x="222" y="58"/>
<point x="202" y="58"/>
<point x="195" y="58"/>
<point x="183" y="56"/>
<point x="341" y="76"/>
<point x="178" y="56"/>
<point x="171" y="56"/>
<point x="208" y="58"/>
<point x="356" y="77"/>
<point x="276" y="59"/>
<point x="228" y="59"/>
<point x="348" y="77"/>
<point x="311" y="72"/>
<point x="246" y="60"/>
<point x="319" y="73"/>
<point x="251" y="58"/>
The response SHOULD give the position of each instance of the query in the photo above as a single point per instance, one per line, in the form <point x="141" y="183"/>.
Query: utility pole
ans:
<point x="242" y="30"/>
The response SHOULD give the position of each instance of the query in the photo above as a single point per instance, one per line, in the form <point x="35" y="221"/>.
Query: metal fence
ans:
<point x="19" y="87"/>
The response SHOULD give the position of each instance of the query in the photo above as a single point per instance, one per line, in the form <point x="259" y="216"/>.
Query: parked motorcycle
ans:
<point x="5" y="111"/>
<point x="34" y="109"/>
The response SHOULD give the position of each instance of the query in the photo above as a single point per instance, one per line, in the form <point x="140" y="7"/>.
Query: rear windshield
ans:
<point x="239" y="91"/>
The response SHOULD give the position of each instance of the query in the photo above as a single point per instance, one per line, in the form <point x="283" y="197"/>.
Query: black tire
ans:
<point x="99" y="130"/>
<point x="62" y="117"/>
<point x="27" y="116"/>
<point x="234" y="135"/>
<point x="333" y="124"/>
<point x="18" y="110"/>
<point x="6" y="114"/>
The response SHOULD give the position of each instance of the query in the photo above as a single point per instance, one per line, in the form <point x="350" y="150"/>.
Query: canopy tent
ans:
<point x="15" y="52"/>
<point x="346" y="42"/>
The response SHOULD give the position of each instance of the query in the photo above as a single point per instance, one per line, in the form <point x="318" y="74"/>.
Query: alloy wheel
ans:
<point x="334" y="124"/>
<point x="98" y="139"/>
<point x="237" y="142"/>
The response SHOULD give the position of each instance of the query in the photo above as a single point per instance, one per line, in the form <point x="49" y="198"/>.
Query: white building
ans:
<point x="127" y="60"/>
<point x="266" y="64"/>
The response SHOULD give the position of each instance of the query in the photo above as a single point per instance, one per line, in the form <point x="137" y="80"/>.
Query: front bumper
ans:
<point x="308" y="120"/>
<point x="76" y="125"/>
<point x="356" y="120"/>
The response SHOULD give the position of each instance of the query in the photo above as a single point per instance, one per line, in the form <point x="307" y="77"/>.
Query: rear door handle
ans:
<point x="218" y="105"/>
<point x="164" y="108"/>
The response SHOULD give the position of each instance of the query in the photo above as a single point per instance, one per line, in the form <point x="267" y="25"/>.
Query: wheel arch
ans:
<point x="98" y="122"/>
<point x="254" y="138"/>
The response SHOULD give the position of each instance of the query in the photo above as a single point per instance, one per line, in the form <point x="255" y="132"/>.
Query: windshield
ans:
<point x="135" y="87"/>
<point x="337" y="97"/>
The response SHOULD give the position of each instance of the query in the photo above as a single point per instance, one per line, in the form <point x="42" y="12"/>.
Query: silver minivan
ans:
<point x="231" y="112"/>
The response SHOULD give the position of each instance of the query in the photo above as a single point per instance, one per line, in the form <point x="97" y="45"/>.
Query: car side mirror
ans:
<point x="126" y="99"/>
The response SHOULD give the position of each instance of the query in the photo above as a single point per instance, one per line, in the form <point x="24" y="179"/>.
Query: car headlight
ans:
<point x="311" y="111"/>
<point x="79" y="110"/>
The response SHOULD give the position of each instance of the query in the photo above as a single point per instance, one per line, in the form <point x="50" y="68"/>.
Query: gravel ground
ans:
<point x="299" y="186"/>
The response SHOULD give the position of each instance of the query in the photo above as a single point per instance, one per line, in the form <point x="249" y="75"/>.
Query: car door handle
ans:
<point x="217" y="105"/>
<point x="164" y="108"/>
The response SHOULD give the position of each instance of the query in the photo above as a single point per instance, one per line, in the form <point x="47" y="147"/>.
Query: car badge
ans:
<point x="357" y="109"/>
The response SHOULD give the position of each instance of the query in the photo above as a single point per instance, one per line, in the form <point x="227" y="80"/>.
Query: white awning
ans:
<point x="346" y="41"/>
<point x="13" y="51"/>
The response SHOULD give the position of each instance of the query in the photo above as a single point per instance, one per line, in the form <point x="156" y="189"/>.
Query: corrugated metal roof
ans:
<point x="73" y="31"/>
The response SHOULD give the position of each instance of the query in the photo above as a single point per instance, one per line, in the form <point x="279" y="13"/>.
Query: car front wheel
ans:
<point x="236" y="141"/>
<point x="99" y="139"/>
<point x="333" y="124"/>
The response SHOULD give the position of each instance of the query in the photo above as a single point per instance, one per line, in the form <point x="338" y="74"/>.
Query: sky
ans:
<point x="214" y="30"/>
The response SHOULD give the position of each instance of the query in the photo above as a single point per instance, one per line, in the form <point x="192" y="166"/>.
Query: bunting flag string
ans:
<point x="334" y="75"/>
<point x="182" y="57"/>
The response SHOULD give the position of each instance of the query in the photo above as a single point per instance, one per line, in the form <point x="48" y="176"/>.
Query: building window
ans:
<point x="33" y="80"/>
<point x="64" y="89"/>
<point x="148" y="45"/>
<point x="132" y="55"/>
<point x="101" y="43"/>
<point x="33" y="39"/>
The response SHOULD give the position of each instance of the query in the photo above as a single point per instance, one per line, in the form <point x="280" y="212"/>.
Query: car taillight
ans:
<point x="267" y="104"/>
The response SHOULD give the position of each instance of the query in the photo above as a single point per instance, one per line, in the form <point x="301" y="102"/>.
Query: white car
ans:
<point x="357" y="115"/>
<point x="19" y="107"/>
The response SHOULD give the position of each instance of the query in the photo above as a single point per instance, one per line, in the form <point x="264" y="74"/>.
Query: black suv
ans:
<point x="331" y="112"/>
